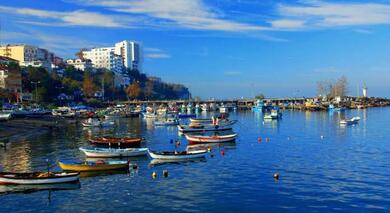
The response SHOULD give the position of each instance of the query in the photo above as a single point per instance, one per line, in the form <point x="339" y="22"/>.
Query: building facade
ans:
<point x="10" y="78"/>
<point x="131" y="53"/>
<point x="104" y="58"/>
<point x="28" y="55"/>
<point x="81" y="64"/>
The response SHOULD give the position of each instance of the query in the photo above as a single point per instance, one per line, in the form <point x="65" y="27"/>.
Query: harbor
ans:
<point x="286" y="160"/>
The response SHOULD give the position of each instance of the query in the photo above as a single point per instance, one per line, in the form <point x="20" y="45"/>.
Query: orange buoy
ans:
<point x="154" y="175"/>
<point x="222" y="152"/>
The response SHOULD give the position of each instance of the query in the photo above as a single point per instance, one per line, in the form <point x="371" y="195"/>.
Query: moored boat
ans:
<point x="177" y="155"/>
<point x="351" y="121"/>
<point x="167" y="122"/>
<point x="5" y="116"/>
<point x="94" y="152"/>
<point x="206" y="127"/>
<point x="211" y="139"/>
<point x="100" y="165"/>
<point x="113" y="142"/>
<point x="10" y="178"/>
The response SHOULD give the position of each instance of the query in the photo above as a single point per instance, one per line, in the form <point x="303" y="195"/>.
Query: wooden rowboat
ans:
<point x="116" y="142"/>
<point x="9" y="178"/>
<point x="177" y="155"/>
<point x="207" y="128"/>
<point x="211" y="139"/>
<point x="94" y="152"/>
<point x="100" y="165"/>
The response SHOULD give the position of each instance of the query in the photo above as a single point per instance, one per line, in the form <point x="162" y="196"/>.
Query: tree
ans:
<point x="88" y="85"/>
<point x="133" y="90"/>
<point x="5" y="94"/>
<point x="260" y="96"/>
<point x="79" y="54"/>
<point x="149" y="89"/>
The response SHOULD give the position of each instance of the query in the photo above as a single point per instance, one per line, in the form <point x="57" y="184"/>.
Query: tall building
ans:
<point x="104" y="58"/>
<point x="131" y="53"/>
<point x="28" y="55"/>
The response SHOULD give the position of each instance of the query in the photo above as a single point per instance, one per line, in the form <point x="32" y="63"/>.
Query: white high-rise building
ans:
<point x="105" y="58"/>
<point x="131" y="53"/>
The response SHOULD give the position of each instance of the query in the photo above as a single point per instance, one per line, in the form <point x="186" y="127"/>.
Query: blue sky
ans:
<point x="222" y="48"/>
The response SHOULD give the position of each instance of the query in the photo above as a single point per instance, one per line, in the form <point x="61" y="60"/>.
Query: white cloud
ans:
<point x="323" y="14"/>
<point x="70" y="18"/>
<point x="287" y="24"/>
<point x="155" y="53"/>
<point x="191" y="14"/>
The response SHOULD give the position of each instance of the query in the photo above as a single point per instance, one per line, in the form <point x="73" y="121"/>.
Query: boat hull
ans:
<point x="210" y="139"/>
<point x="197" y="154"/>
<point x="65" y="178"/>
<point x="113" y="153"/>
<point x="95" y="167"/>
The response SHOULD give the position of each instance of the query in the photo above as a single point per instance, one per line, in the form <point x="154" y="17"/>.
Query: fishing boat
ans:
<point x="114" y="142"/>
<point x="97" y="123"/>
<point x="205" y="127"/>
<point x="211" y="139"/>
<point x="201" y="120"/>
<point x="275" y="114"/>
<point x="95" y="152"/>
<point x="5" y="116"/>
<point x="177" y="155"/>
<point x="354" y="120"/>
<point x="10" y="178"/>
<point x="99" y="165"/>
<point x="8" y="189"/>
<point x="167" y="122"/>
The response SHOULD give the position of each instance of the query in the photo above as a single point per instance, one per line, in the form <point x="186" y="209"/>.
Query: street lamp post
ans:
<point x="36" y="89"/>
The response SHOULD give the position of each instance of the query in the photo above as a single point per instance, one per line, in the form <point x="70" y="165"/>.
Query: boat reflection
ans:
<point x="202" y="146"/>
<point x="102" y="173"/>
<point x="158" y="162"/>
<point x="8" y="189"/>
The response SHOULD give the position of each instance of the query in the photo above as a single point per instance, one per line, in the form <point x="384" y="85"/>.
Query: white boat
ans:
<point x="177" y="155"/>
<point x="275" y="114"/>
<point x="5" y="116"/>
<point x="65" y="112"/>
<point x="211" y="139"/>
<point x="149" y="115"/>
<point x="206" y="127"/>
<point x="351" y="121"/>
<point x="223" y="109"/>
<point x="96" y="123"/>
<point x="201" y="120"/>
<point x="8" y="178"/>
<point x="167" y="122"/>
<point x="95" y="152"/>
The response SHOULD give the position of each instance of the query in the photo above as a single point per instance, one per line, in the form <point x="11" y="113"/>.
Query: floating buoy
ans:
<point x="209" y="149"/>
<point x="322" y="137"/>
<point x="222" y="152"/>
<point x="165" y="173"/>
<point x="171" y="141"/>
<point x="177" y="143"/>
<point x="135" y="166"/>
<point x="154" y="175"/>
<point x="276" y="176"/>
<point x="259" y="139"/>
<point x="267" y="140"/>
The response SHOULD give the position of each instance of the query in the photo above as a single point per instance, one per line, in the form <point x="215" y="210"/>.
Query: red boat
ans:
<point x="114" y="142"/>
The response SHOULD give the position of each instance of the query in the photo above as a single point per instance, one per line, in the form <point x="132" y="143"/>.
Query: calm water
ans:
<point x="348" y="169"/>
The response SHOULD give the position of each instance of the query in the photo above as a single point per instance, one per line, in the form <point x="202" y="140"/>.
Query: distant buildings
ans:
<point x="125" y="54"/>
<point x="28" y="55"/>
<point x="81" y="64"/>
<point x="131" y="53"/>
<point x="10" y="78"/>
